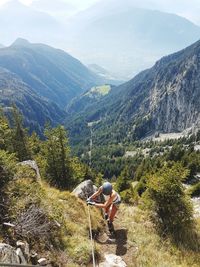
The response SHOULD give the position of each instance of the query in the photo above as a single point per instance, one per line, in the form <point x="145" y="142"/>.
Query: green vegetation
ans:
<point x="194" y="191"/>
<point x="99" y="90"/>
<point x="170" y="206"/>
<point x="152" y="249"/>
<point x="54" y="222"/>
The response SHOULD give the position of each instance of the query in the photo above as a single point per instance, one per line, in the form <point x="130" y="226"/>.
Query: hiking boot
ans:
<point x="111" y="228"/>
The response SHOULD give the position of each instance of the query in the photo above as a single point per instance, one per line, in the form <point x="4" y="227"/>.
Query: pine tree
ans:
<point x="19" y="137"/>
<point x="57" y="151"/>
<point x="34" y="144"/>
<point x="165" y="196"/>
<point x="123" y="181"/>
<point x="5" y="133"/>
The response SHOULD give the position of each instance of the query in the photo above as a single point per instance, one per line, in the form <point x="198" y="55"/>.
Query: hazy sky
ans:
<point x="80" y="4"/>
<point x="186" y="8"/>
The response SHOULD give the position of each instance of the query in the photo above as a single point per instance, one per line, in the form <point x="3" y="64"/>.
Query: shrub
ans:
<point x="194" y="191"/>
<point x="7" y="167"/>
<point x="127" y="196"/>
<point x="171" y="209"/>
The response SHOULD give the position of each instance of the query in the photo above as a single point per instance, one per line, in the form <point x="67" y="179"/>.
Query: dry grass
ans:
<point x="152" y="249"/>
<point x="68" y="242"/>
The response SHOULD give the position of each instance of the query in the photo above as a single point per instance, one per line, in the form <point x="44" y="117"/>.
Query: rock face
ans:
<point x="8" y="254"/>
<point x="166" y="97"/>
<point x="85" y="189"/>
<point x="111" y="260"/>
<point x="162" y="99"/>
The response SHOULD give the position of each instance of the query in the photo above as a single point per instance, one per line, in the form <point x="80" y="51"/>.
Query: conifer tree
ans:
<point x="123" y="181"/>
<point x="5" y="133"/>
<point x="165" y="195"/>
<point x="57" y="151"/>
<point x="19" y="137"/>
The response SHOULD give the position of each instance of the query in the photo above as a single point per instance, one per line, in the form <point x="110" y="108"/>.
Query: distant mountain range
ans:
<point x="50" y="72"/>
<point x="164" y="98"/>
<point x="116" y="35"/>
<point x="126" y="39"/>
<point x="42" y="81"/>
<point x="105" y="74"/>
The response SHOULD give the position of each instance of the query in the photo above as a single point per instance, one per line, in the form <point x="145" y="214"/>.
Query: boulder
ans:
<point x="21" y="256"/>
<point x="85" y="189"/>
<point x="8" y="254"/>
<point x="112" y="260"/>
<point x="34" y="166"/>
<point x="42" y="262"/>
<point x="24" y="247"/>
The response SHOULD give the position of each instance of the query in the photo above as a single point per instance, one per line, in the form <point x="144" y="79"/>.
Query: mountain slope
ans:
<point x="36" y="110"/>
<point x="89" y="98"/>
<point x="109" y="77"/>
<point x="50" y="72"/>
<point x="126" y="39"/>
<point x="164" y="98"/>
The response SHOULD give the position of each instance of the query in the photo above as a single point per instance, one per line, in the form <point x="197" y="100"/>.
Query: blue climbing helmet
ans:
<point x="107" y="188"/>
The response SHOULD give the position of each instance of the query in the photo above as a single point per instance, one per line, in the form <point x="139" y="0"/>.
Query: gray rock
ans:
<point x="85" y="189"/>
<point x="112" y="260"/>
<point x="42" y="261"/>
<point x="24" y="246"/>
<point x="34" y="258"/>
<point x="8" y="254"/>
<point x="21" y="256"/>
<point x="34" y="166"/>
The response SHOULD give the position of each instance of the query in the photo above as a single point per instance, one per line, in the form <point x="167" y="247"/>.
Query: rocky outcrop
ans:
<point x="34" y="166"/>
<point x="85" y="189"/>
<point x="20" y="255"/>
<point x="23" y="251"/>
<point x="166" y="98"/>
<point x="8" y="254"/>
<point x="112" y="260"/>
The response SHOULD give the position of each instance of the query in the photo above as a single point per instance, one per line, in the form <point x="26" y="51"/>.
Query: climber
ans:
<point x="111" y="205"/>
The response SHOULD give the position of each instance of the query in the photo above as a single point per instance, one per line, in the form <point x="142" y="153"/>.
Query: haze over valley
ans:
<point x="124" y="37"/>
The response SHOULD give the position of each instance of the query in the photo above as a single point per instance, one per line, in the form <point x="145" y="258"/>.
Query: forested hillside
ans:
<point x="50" y="72"/>
<point x="161" y="99"/>
<point x="41" y="81"/>
<point x="54" y="223"/>
<point x="37" y="111"/>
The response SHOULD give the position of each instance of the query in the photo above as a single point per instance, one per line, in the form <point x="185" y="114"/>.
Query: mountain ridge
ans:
<point x="51" y="72"/>
<point x="141" y="35"/>
<point x="36" y="111"/>
<point x="163" y="98"/>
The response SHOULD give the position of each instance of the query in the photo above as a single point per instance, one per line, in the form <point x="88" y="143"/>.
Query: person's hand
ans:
<point x="90" y="202"/>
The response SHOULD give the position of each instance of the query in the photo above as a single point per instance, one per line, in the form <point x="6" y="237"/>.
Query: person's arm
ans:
<point x="97" y="193"/>
<point x="106" y="204"/>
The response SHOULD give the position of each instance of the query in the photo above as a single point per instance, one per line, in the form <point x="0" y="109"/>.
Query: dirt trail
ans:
<point x="118" y="244"/>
